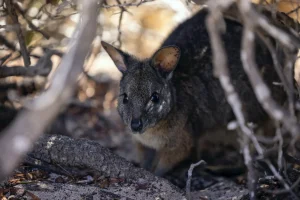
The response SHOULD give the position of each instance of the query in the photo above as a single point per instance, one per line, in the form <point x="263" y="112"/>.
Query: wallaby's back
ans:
<point x="198" y="91"/>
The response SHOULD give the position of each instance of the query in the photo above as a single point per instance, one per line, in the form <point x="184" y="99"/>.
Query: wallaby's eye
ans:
<point x="125" y="98"/>
<point x="155" y="97"/>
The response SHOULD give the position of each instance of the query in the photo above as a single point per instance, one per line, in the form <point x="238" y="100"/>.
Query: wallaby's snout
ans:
<point x="136" y="125"/>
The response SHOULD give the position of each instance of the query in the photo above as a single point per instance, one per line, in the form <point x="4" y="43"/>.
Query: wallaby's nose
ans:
<point x="136" y="125"/>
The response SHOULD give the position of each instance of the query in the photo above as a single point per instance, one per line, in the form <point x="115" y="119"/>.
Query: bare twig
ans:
<point x="277" y="65"/>
<point x="22" y="88"/>
<point x="23" y="71"/>
<point x="96" y="48"/>
<point x="280" y="178"/>
<point x="55" y="168"/>
<point x="190" y="174"/>
<point x="280" y="35"/>
<point x="19" y="136"/>
<point x="290" y="59"/>
<point x="31" y="25"/>
<point x="4" y="58"/>
<point x="262" y="92"/>
<point x="221" y="71"/>
<point x="277" y="192"/>
<point x="120" y="24"/>
<point x="12" y="13"/>
<point x="42" y="68"/>
<point x="280" y="146"/>
<point x="126" y="4"/>
<point x="249" y="163"/>
<point x="8" y="44"/>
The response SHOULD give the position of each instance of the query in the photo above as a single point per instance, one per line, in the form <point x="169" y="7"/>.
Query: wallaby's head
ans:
<point x="146" y="93"/>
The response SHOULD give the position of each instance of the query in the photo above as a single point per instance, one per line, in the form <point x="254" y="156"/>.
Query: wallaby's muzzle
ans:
<point x="136" y="125"/>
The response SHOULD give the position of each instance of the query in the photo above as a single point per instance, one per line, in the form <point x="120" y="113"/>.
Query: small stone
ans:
<point x="20" y="192"/>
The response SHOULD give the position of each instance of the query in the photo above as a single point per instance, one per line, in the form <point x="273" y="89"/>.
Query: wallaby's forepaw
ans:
<point x="161" y="171"/>
<point x="148" y="161"/>
<point x="146" y="157"/>
<point x="168" y="159"/>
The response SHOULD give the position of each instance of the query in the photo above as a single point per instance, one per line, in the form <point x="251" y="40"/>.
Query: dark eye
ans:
<point x="125" y="98"/>
<point x="155" y="97"/>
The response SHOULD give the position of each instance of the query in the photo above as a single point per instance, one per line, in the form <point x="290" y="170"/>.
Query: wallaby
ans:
<point x="170" y="98"/>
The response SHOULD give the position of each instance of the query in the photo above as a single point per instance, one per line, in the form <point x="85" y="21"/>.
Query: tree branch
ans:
<point x="12" y="13"/>
<point x="42" y="68"/>
<point x="16" y="140"/>
<point x="126" y="4"/>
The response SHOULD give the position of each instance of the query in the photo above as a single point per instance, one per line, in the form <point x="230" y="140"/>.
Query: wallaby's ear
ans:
<point x="116" y="55"/>
<point x="165" y="60"/>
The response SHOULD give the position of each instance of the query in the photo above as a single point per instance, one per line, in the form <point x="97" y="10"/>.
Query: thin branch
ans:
<point x="120" y="24"/>
<point x="8" y="27"/>
<point x="294" y="10"/>
<point x="24" y="71"/>
<point x="289" y="73"/>
<point x="283" y="191"/>
<point x="251" y="177"/>
<point x="23" y="88"/>
<point x="4" y="59"/>
<point x="127" y="4"/>
<point x="12" y="13"/>
<point x="8" y="44"/>
<point x="31" y="25"/>
<point x="261" y="90"/>
<point x="279" y="177"/>
<point x="277" y="64"/>
<point x="291" y="43"/>
<point x="280" y="146"/>
<point x="42" y="68"/>
<point x="190" y="174"/>
<point x="221" y="71"/>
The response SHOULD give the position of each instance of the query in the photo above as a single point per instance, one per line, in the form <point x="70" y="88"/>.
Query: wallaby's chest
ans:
<point x="155" y="140"/>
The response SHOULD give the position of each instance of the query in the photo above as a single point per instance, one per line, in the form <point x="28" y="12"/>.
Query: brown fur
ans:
<point x="170" y="139"/>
